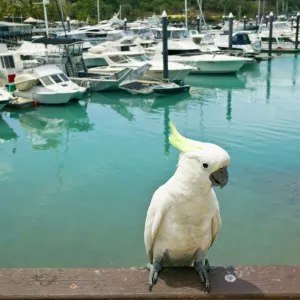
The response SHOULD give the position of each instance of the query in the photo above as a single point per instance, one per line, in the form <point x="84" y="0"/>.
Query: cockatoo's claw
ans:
<point x="153" y="274"/>
<point x="202" y="271"/>
<point x="207" y="265"/>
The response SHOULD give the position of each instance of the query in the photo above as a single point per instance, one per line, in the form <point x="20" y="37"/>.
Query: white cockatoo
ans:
<point x="183" y="219"/>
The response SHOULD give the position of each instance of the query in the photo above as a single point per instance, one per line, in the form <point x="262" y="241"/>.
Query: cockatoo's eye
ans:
<point x="205" y="165"/>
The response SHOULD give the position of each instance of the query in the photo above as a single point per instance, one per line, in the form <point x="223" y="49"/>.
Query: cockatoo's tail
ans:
<point x="212" y="157"/>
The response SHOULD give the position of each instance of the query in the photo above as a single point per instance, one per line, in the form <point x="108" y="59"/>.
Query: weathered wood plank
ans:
<point x="275" y="282"/>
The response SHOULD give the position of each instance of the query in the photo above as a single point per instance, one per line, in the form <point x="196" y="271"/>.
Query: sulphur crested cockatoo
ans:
<point x="183" y="219"/>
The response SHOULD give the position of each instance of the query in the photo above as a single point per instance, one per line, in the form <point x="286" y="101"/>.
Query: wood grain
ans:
<point x="259" y="282"/>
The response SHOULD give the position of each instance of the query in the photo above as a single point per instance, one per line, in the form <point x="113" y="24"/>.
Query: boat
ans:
<point x="202" y="63"/>
<point x="10" y="62"/>
<point x="47" y="85"/>
<point x="109" y="82"/>
<point x="139" y="86"/>
<point x="115" y="61"/>
<point x="171" y="88"/>
<point x="5" y="97"/>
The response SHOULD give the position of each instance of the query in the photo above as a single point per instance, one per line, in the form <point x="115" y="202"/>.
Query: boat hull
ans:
<point x="174" y="75"/>
<point x="3" y="103"/>
<point x="46" y="98"/>
<point x="216" y="67"/>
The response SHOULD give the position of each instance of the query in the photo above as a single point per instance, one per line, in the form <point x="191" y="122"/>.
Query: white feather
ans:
<point x="183" y="218"/>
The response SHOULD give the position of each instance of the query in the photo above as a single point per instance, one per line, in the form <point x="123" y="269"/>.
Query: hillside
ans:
<point x="131" y="9"/>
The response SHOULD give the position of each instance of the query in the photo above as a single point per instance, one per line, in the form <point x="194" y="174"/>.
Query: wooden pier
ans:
<point x="258" y="282"/>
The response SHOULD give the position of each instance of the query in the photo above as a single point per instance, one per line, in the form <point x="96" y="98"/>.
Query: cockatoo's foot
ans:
<point x="153" y="275"/>
<point x="202" y="270"/>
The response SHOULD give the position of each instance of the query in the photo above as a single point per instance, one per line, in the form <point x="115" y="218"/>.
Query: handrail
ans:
<point x="255" y="282"/>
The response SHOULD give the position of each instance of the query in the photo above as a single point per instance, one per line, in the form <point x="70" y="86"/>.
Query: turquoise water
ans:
<point x="76" y="181"/>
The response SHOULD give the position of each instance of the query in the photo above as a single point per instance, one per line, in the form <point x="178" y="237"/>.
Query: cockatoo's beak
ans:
<point x="219" y="177"/>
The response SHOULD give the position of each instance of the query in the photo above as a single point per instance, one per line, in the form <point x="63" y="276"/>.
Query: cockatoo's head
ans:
<point x="202" y="160"/>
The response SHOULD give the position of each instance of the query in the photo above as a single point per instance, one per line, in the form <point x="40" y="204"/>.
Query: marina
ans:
<point x="96" y="141"/>
<point x="119" y="129"/>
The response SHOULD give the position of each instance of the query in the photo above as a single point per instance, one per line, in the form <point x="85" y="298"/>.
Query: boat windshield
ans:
<point x="173" y="34"/>
<point x="139" y="57"/>
<point x="46" y="80"/>
<point x="56" y="78"/>
<point x="63" y="77"/>
<point x="114" y="36"/>
<point x="52" y="79"/>
<point x="121" y="59"/>
<point x="282" y="26"/>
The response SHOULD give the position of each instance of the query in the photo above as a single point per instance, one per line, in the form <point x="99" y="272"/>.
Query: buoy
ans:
<point x="35" y="103"/>
<point x="279" y="48"/>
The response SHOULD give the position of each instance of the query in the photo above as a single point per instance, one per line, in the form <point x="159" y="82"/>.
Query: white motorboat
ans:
<point x="240" y="41"/>
<point x="116" y="61"/>
<point x="284" y="38"/>
<point x="202" y="63"/>
<point x="5" y="97"/>
<point x="47" y="85"/>
<point x="10" y="62"/>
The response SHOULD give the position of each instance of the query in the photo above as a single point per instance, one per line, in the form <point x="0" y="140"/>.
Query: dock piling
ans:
<point x="271" y="17"/>
<point x="164" y="17"/>
<point x="297" y="31"/>
<point x="230" y="31"/>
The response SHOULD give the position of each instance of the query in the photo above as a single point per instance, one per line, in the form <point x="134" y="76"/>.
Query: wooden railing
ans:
<point x="273" y="282"/>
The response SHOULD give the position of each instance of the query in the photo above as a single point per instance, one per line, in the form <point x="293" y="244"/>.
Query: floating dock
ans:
<point x="20" y="103"/>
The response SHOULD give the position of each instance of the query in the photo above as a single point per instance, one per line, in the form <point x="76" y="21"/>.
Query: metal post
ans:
<point x="120" y="12"/>
<point x="45" y="16"/>
<point x="245" y="22"/>
<point x="68" y="24"/>
<point x="198" y="24"/>
<point x="230" y="31"/>
<point x="257" y="20"/>
<point x="125" y="24"/>
<point x="186" y="14"/>
<point x="165" y="43"/>
<point x="61" y="9"/>
<point x="98" y="10"/>
<point x="297" y="31"/>
<point x="267" y="21"/>
<point x="270" y="34"/>
<point x="223" y="18"/>
<point x="258" y="11"/>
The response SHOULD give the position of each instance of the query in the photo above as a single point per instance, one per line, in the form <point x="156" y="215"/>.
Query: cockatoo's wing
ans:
<point x="215" y="227"/>
<point x="154" y="218"/>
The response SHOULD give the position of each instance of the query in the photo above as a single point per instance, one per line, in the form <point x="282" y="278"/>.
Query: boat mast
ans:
<point x="45" y="2"/>
<point x="258" y="11"/>
<point x="186" y="14"/>
<point x="98" y="10"/>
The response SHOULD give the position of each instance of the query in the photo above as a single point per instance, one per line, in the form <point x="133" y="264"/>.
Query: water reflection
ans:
<point x="229" y="109"/>
<point x="46" y="125"/>
<point x="122" y="103"/>
<point x="295" y="69"/>
<point x="268" y="81"/>
<point x="6" y="132"/>
<point x="216" y="81"/>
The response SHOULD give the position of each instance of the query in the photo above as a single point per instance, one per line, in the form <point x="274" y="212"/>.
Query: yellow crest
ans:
<point x="179" y="141"/>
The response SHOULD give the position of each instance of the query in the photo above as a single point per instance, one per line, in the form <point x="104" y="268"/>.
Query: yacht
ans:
<point x="5" y="97"/>
<point x="47" y="85"/>
<point x="111" y="62"/>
